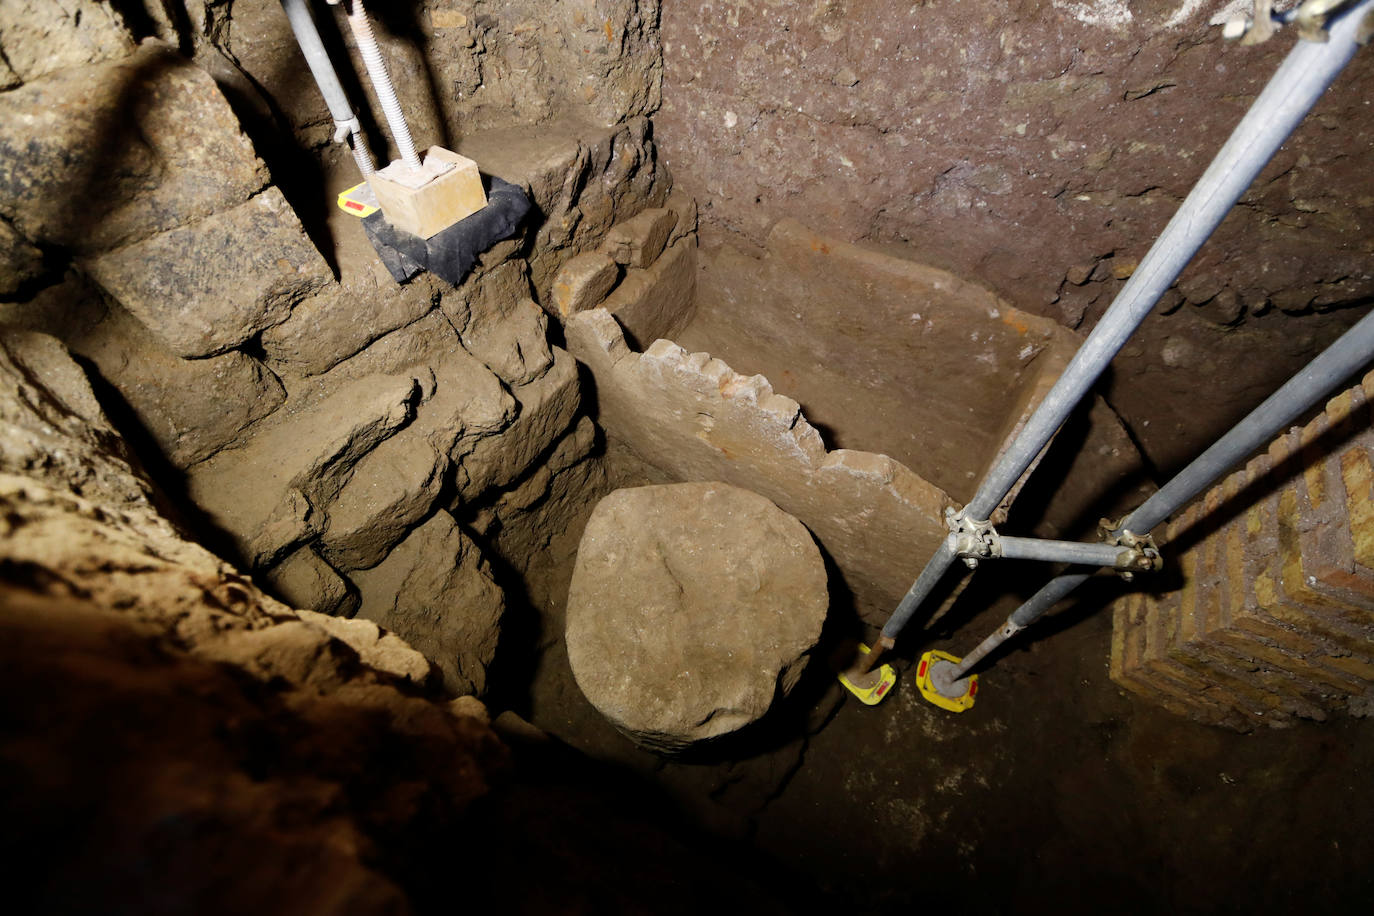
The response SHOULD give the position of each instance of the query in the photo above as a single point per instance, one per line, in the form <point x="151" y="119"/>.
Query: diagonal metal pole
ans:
<point x="1351" y="352"/>
<point x="1292" y="91"/>
<point x="346" y="126"/>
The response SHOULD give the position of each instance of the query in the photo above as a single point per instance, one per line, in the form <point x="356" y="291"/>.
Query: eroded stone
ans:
<point x="40" y="36"/>
<point x="303" y="580"/>
<point x="462" y="401"/>
<point x="338" y="322"/>
<point x="517" y="348"/>
<point x="694" y="418"/>
<point x="267" y="495"/>
<point x="692" y="608"/>
<point x="20" y="261"/>
<point x="660" y="301"/>
<point x="583" y="282"/>
<point x="391" y="488"/>
<point x="104" y="155"/>
<point x="547" y="407"/>
<point x="435" y="591"/>
<point x="190" y="408"/>
<point x="638" y="241"/>
<point x="209" y="286"/>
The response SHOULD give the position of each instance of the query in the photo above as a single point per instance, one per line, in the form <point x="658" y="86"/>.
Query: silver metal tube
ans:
<point x="327" y="79"/>
<point x="1051" y="594"/>
<point x="1290" y="93"/>
<point x="1345" y="357"/>
<point x="381" y="81"/>
<point x="1338" y="362"/>
<point x="920" y="589"/>
<point x="980" y="652"/>
<point x="1059" y="551"/>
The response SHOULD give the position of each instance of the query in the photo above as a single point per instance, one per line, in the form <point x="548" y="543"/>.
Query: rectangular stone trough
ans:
<point x="931" y="373"/>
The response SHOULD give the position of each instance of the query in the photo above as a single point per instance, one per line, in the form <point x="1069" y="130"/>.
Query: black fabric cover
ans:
<point x="450" y="254"/>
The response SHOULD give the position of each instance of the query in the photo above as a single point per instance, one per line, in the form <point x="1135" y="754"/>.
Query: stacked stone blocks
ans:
<point x="336" y="436"/>
<point x="1273" y="619"/>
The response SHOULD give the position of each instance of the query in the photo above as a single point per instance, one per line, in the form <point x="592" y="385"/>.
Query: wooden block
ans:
<point x="426" y="202"/>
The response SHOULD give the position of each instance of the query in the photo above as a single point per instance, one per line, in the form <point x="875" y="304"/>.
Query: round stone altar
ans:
<point x="693" y="607"/>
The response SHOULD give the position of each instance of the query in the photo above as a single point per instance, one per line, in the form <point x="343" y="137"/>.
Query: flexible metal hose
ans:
<point x="381" y="82"/>
<point x="345" y="123"/>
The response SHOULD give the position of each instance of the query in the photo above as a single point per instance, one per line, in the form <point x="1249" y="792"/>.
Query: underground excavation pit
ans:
<point x="293" y="491"/>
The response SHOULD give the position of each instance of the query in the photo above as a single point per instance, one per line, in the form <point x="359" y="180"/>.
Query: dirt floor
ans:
<point x="1056" y="791"/>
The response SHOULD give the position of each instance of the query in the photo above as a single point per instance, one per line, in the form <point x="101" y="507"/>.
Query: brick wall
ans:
<point x="1267" y="613"/>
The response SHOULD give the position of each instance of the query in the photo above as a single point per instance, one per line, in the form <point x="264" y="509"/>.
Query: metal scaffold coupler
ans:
<point x="1139" y="552"/>
<point x="970" y="539"/>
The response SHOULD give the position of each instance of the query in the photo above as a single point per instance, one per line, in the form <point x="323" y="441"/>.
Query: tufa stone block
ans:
<point x="639" y="241"/>
<point x="584" y="282"/>
<point x="446" y="189"/>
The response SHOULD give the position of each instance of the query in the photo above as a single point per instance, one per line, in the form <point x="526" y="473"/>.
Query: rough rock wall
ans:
<point x="460" y="66"/>
<point x="321" y="426"/>
<point x="175" y="740"/>
<point x="1038" y="149"/>
<point x="129" y="645"/>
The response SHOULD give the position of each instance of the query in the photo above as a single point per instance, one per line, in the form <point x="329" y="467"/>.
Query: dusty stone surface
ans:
<point x="537" y="488"/>
<point x="583" y="282"/>
<point x="52" y="428"/>
<point x="435" y="590"/>
<point x="461" y="400"/>
<point x="517" y="348"/>
<point x="209" y="286"/>
<point x="640" y="239"/>
<point x="109" y="154"/>
<point x="891" y="356"/>
<point x="583" y="179"/>
<point x="696" y="419"/>
<point x="376" y="647"/>
<point x="280" y="735"/>
<point x="20" y="261"/>
<point x="191" y="409"/>
<point x="82" y="523"/>
<point x="342" y="319"/>
<point x="1039" y="154"/>
<point x="657" y="302"/>
<point x="499" y="323"/>
<point x="547" y="407"/>
<point x="684" y="207"/>
<point x="692" y="608"/>
<point x="921" y="365"/>
<point x="268" y="495"/>
<point x="111" y="616"/>
<point x="303" y="580"/>
<point x="534" y="526"/>
<point x="391" y="488"/>
<point x="40" y="36"/>
<point x="491" y="291"/>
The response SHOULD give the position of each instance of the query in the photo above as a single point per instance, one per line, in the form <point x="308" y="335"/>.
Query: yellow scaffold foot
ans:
<point x="934" y="680"/>
<point x="358" y="200"/>
<point x="872" y="687"/>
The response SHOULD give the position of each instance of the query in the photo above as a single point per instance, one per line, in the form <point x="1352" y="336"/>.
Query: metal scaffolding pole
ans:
<point x="1306" y="72"/>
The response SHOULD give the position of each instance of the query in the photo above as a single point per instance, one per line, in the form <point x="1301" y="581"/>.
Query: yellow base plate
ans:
<point x="923" y="683"/>
<point x="872" y="695"/>
<point x="358" y="201"/>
